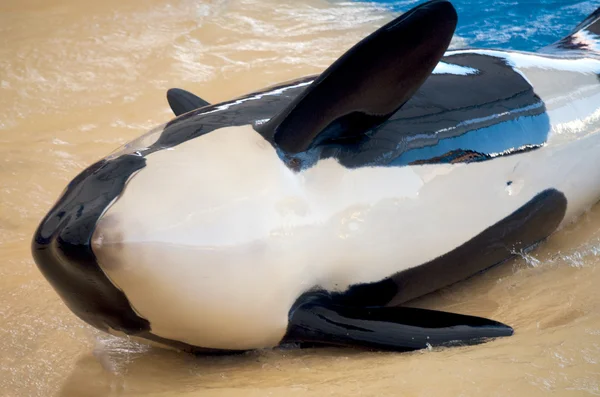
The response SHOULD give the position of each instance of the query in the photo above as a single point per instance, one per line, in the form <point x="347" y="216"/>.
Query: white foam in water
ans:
<point x="529" y="259"/>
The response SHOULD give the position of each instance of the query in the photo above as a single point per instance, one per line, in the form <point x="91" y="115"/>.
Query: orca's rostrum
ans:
<point x="310" y="211"/>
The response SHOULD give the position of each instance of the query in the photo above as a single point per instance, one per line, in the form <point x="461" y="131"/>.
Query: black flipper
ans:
<point x="584" y="36"/>
<point x="321" y="321"/>
<point x="369" y="83"/>
<point x="182" y="101"/>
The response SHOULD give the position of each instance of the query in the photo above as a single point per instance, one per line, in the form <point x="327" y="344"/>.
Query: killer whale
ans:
<point x="306" y="212"/>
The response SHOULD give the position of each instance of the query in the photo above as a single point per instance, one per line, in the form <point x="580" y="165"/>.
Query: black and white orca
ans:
<point x="310" y="211"/>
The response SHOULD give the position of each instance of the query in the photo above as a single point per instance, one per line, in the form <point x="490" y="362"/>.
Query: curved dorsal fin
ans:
<point x="182" y="101"/>
<point x="369" y="83"/>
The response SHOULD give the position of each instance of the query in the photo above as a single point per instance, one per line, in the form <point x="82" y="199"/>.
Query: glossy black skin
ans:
<point x="437" y="105"/>
<point x="62" y="249"/>
<point x="367" y="84"/>
<point x="318" y="318"/>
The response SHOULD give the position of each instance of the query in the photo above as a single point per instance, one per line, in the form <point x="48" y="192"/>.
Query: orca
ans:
<point x="312" y="211"/>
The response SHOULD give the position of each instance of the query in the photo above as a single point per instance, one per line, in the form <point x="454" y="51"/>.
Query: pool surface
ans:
<point x="518" y="25"/>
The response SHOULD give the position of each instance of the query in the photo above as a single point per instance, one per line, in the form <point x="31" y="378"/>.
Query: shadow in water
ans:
<point x="121" y="367"/>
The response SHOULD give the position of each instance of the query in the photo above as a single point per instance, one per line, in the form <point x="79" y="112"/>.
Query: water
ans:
<point x="78" y="79"/>
<point x="520" y="25"/>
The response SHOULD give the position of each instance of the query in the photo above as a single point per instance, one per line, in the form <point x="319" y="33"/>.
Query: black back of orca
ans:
<point x="475" y="108"/>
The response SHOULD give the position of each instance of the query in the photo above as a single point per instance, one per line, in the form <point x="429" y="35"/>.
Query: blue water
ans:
<point x="520" y="25"/>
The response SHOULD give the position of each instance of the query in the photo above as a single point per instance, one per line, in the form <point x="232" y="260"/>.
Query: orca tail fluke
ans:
<point x="584" y="37"/>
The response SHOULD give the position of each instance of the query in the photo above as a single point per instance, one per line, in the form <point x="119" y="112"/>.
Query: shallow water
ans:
<point x="78" y="79"/>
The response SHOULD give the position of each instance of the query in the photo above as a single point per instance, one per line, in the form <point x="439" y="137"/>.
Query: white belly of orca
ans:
<point x="216" y="259"/>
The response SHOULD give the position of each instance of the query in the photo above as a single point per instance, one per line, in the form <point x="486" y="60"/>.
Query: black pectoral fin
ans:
<point x="182" y="101"/>
<point x="369" y="83"/>
<point x="387" y="328"/>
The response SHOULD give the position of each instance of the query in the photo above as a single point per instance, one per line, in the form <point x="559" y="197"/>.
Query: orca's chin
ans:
<point x="62" y="248"/>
